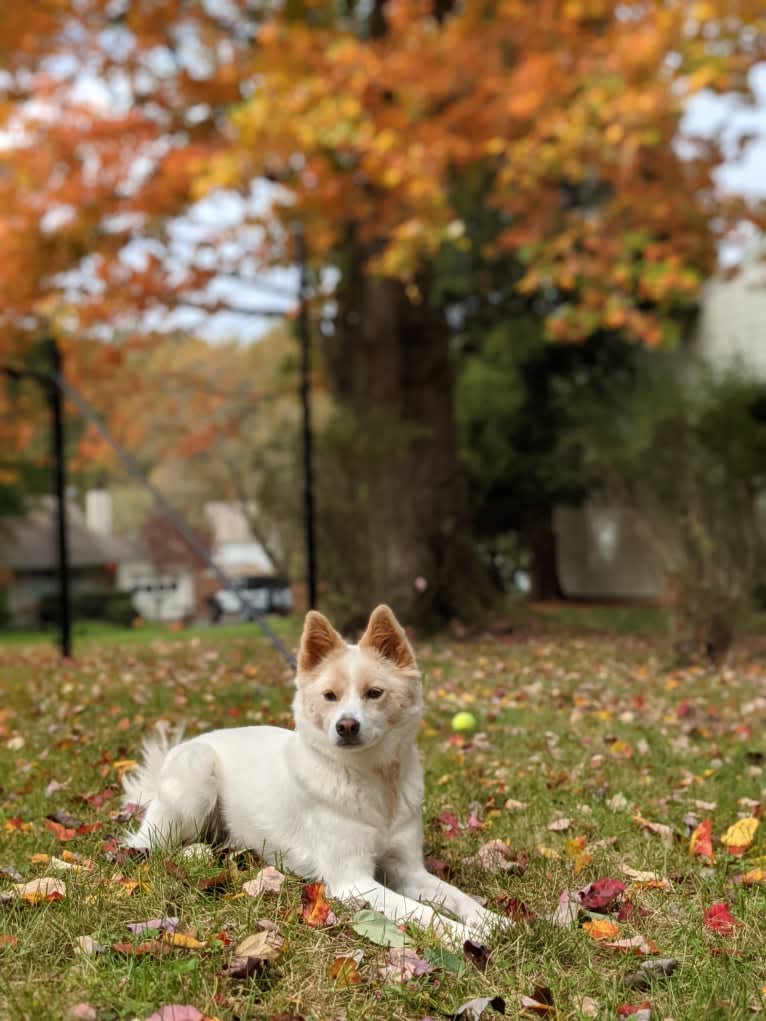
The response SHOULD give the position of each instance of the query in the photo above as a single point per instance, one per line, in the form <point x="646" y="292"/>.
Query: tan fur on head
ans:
<point x="385" y="635"/>
<point x="318" y="640"/>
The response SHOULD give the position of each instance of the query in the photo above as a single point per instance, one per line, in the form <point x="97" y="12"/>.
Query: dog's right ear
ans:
<point x="318" y="640"/>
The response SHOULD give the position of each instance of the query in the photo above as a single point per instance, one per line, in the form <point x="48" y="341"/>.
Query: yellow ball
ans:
<point x="463" y="721"/>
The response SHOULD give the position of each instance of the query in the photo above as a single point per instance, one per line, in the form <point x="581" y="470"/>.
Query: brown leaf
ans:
<point x="44" y="889"/>
<point x="268" y="880"/>
<point x="344" y="971"/>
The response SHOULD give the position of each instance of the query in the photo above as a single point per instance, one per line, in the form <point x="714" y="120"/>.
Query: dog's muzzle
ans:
<point x="347" y="729"/>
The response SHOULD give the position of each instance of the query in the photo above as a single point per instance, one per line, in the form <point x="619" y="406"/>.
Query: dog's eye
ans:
<point x="330" y="696"/>
<point x="374" y="693"/>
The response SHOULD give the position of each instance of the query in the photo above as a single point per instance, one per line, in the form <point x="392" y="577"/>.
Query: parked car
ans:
<point x="249" y="597"/>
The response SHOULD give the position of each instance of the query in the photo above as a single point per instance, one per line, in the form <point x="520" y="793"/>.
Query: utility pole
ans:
<point x="304" y="335"/>
<point x="58" y="450"/>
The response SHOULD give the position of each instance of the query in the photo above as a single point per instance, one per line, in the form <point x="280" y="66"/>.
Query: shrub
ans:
<point x="91" y="604"/>
<point x="687" y="451"/>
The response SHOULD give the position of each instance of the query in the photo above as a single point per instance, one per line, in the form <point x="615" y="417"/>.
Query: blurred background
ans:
<point x="457" y="306"/>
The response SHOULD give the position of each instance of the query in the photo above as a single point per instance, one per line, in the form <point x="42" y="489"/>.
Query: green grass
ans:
<point x="550" y="707"/>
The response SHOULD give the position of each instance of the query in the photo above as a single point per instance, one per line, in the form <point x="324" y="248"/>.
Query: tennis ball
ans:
<point x="463" y="721"/>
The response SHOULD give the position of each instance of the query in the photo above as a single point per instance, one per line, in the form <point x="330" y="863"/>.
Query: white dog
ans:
<point x="337" y="799"/>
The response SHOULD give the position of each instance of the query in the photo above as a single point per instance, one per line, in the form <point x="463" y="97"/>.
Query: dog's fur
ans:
<point x="338" y="799"/>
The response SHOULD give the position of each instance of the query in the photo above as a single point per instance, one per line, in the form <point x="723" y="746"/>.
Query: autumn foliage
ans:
<point x="115" y="118"/>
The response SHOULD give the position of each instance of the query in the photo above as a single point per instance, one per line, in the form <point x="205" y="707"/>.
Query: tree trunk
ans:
<point x="391" y="354"/>
<point x="540" y="538"/>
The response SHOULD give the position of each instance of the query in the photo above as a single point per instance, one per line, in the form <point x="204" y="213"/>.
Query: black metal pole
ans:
<point x="56" y="403"/>
<point x="304" y="334"/>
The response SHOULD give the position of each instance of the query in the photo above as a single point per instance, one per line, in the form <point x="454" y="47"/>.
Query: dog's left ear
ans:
<point x="385" y="635"/>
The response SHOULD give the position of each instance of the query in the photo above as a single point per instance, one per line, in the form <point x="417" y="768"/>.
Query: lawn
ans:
<point x="592" y="761"/>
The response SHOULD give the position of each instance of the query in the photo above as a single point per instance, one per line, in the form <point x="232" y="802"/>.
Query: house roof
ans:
<point x="28" y="543"/>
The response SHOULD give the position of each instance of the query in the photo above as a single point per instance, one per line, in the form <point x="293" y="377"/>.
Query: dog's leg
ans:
<point x="398" y="908"/>
<point x="420" y="884"/>
<point x="186" y="795"/>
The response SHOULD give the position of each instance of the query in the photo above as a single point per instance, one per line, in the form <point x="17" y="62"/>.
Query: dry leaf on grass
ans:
<point x="315" y="910"/>
<point x="648" y="880"/>
<point x="473" y="1010"/>
<point x="268" y="880"/>
<point x="402" y="964"/>
<point x="601" y="929"/>
<point x="47" y="888"/>
<point x="344" y="971"/>
<point x="637" y="944"/>
<point x="740" y="836"/>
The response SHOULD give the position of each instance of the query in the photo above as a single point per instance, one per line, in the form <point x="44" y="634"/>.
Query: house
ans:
<point x="601" y="550"/>
<point x="29" y="559"/>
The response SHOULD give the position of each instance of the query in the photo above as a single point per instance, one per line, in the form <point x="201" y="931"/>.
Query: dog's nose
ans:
<point x="347" y="726"/>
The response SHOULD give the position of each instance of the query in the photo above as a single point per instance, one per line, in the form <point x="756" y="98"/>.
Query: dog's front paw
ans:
<point x="487" y="926"/>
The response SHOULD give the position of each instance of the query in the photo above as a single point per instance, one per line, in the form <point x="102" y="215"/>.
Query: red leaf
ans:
<point x="450" y="824"/>
<point x="719" y="919"/>
<point x="315" y="911"/>
<point x="59" y="831"/>
<point x="701" y="841"/>
<point x="633" y="1008"/>
<point x="601" y="895"/>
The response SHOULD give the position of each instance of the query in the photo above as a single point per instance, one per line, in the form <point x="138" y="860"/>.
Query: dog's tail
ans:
<point x="139" y="786"/>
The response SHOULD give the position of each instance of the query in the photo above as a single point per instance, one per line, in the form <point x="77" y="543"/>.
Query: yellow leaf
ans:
<point x="602" y="928"/>
<point x="740" y="836"/>
<point x="181" y="939"/>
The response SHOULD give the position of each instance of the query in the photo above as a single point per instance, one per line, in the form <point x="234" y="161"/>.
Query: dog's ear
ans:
<point x="318" y="640"/>
<point x="386" y="636"/>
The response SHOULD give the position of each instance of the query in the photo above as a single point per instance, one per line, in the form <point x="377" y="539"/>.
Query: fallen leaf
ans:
<point x="44" y="889"/>
<point x="512" y="805"/>
<point x="315" y="910"/>
<point x="378" y="929"/>
<point x="540" y="1003"/>
<point x="601" y="929"/>
<point x="665" y="833"/>
<point x="568" y="909"/>
<point x="477" y="954"/>
<point x="740" y="836"/>
<point x="650" y="880"/>
<point x="494" y="856"/>
<point x="149" y="946"/>
<point x="7" y="940"/>
<point x="176" y="1012"/>
<point x="588" y="1007"/>
<point x="219" y="881"/>
<point x="344" y="971"/>
<point x="182" y="939"/>
<point x="752" y="877"/>
<point x="440" y="957"/>
<point x="65" y="819"/>
<point x="559" y="825"/>
<point x="701" y="840"/>
<point x="472" y="1010"/>
<point x="268" y="880"/>
<point x="640" y="944"/>
<point x="169" y="924"/>
<point x="719" y="919"/>
<point x="402" y="965"/>
<point x="82" y="1012"/>
<point x="254" y="952"/>
<point x="639" y="1011"/>
<point x="516" y="909"/>
<point x="450" y="824"/>
<point x="88" y="946"/>
<point x="601" y="894"/>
